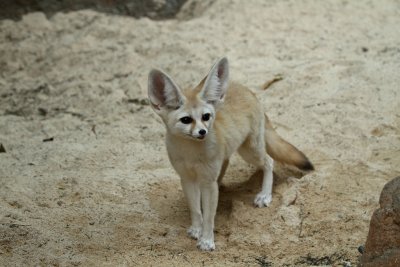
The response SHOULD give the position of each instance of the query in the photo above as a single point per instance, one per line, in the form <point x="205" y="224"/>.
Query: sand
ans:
<point x="102" y="192"/>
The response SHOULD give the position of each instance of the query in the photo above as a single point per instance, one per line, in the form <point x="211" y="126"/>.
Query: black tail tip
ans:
<point x="307" y="166"/>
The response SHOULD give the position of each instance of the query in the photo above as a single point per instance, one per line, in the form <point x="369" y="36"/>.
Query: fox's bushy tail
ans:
<point x="280" y="150"/>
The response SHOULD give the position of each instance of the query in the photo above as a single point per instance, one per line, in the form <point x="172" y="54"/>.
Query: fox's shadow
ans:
<point x="246" y="191"/>
<point x="167" y="199"/>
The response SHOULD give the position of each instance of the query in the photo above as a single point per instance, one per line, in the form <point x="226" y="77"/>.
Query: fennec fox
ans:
<point x="205" y="126"/>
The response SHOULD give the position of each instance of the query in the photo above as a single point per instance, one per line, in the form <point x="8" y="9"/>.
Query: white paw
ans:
<point x="194" y="232"/>
<point x="262" y="200"/>
<point x="206" y="244"/>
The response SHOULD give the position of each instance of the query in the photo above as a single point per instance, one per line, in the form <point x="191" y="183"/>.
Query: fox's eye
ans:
<point x="205" y="117"/>
<point x="186" y="120"/>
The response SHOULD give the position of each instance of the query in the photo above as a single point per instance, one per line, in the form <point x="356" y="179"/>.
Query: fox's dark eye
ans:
<point x="205" y="117"/>
<point x="186" y="120"/>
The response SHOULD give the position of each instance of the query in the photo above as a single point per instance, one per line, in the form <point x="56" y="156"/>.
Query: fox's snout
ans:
<point x="199" y="131"/>
<point x="201" y="134"/>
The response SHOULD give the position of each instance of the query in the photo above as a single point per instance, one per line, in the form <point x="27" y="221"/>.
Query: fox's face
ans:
<point x="193" y="119"/>
<point x="189" y="113"/>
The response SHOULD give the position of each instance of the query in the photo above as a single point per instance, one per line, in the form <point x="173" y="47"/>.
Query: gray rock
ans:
<point x="383" y="243"/>
<point x="154" y="9"/>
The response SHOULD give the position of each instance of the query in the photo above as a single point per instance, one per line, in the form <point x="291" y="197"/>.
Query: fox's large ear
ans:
<point x="216" y="83"/>
<point x="163" y="92"/>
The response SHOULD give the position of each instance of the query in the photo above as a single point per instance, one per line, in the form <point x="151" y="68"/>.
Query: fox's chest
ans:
<point x="190" y="153"/>
<point x="190" y="159"/>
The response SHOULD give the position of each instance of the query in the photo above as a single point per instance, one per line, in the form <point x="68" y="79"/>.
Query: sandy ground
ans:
<point x="103" y="193"/>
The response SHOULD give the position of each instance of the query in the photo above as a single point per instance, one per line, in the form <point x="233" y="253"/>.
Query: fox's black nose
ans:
<point x="202" y="132"/>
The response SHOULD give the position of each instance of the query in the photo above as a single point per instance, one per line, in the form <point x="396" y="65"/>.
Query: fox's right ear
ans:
<point x="163" y="92"/>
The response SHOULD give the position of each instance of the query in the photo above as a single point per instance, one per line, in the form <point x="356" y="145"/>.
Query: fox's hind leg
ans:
<point x="222" y="172"/>
<point x="253" y="151"/>
<point x="264" y="198"/>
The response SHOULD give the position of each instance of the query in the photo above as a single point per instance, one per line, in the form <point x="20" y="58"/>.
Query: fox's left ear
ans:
<point x="216" y="83"/>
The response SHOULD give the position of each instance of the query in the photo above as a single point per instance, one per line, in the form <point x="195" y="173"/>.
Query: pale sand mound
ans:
<point x="103" y="193"/>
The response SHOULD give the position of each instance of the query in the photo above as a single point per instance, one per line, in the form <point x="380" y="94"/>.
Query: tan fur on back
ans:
<point x="236" y="117"/>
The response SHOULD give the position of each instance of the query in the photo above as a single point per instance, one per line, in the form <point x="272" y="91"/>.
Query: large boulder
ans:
<point x="383" y="243"/>
<point x="154" y="9"/>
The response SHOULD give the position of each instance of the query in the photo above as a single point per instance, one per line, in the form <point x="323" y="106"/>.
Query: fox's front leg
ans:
<point x="209" y="200"/>
<point x="191" y="189"/>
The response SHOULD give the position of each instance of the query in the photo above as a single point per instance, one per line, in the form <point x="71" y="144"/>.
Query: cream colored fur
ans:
<point x="200" y="150"/>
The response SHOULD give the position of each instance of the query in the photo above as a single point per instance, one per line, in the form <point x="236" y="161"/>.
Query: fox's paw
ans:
<point x="206" y="244"/>
<point x="194" y="232"/>
<point x="262" y="200"/>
